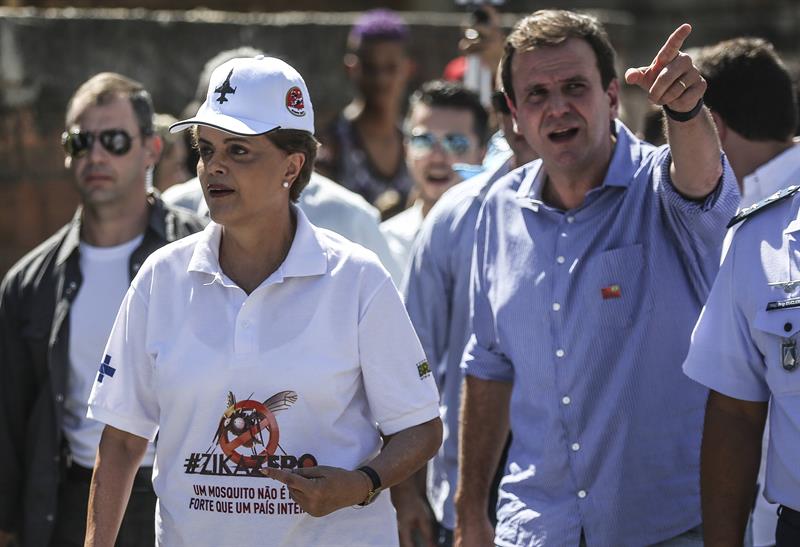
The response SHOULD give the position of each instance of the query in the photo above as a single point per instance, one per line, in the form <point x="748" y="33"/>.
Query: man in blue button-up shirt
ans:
<point x="436" y="289"/>
<point x="589" y="271"/>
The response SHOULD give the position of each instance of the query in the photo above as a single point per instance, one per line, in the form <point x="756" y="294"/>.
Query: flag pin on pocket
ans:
<point x="612" y="291"/>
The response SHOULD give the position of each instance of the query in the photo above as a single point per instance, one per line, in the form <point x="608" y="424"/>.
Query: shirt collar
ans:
<point x="771" y="176"/>
<point x="156" y="221"/>
<point x="627" y="154"/>
<point x="307" y="256"/>
<point x="409" y="221"/>
<point x="793" y="222"/>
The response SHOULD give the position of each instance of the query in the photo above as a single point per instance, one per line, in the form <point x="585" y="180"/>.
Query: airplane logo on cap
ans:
<point x="225" y="88"/>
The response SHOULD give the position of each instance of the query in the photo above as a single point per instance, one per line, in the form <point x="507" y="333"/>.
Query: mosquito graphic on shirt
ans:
<point x="246" y="421"/>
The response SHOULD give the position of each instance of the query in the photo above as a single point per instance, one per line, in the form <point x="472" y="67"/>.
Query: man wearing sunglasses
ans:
<point x="436" y="290"/>
<point x="57" y="306"/>
<point x="446" y="125"/>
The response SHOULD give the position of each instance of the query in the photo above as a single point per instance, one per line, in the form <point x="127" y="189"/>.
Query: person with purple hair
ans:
<point x="363" y="148"/>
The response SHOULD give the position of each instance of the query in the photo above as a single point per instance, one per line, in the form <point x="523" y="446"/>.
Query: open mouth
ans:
<point x="439" y="178"/>
<point x="563" y="135"/>
<point x="219" y="190"/>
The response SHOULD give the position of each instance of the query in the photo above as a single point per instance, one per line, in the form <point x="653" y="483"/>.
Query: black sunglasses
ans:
<point x="78" y="143"/>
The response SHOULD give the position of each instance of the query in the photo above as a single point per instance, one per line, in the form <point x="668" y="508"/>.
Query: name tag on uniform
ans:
<point x="784" y="304"/>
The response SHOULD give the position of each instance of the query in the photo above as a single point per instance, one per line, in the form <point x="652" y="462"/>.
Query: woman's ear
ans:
<point x="294" y="165"/>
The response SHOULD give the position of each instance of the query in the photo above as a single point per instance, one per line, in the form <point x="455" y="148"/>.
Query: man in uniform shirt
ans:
<point x="57" y="306"/>
<point x="752" y="99"/>
<point x="744" y="348"/>
<point x="590" y="267"/>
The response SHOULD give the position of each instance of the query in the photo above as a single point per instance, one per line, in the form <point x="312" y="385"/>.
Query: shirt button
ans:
<point x="59" y="397"/>
<point x="559" y="353"/>
<point x="49" y="517"/>
<point x="565" y="400"/>
<point x="570" y="219"/>
<point x="561" y="259"/>
<point x="575" y="447"/>
<point x="556" y="306"/>
<point x="563" y="234"/>
<point x="56" y="458"/>
<point x="245" y="324"/>
<point x="581" y="494"/>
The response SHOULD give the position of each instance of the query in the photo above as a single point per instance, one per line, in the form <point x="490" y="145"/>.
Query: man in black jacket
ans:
<point x="57" y="306"/>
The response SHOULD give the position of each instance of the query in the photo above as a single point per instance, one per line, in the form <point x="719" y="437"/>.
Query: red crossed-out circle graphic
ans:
<point x="267" y="422"/>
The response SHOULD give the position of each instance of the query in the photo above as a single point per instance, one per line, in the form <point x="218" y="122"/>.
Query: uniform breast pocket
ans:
<point x="778" y="333"/>
<point x="618" y="288"/>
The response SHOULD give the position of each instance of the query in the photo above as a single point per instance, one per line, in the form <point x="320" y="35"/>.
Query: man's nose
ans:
<point x="95" y="150"/>
<point x="557" y="104"/>
<point x="438" y="153"/>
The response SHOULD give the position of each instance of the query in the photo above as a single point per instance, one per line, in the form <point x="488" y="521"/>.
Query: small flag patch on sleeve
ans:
<point x="423" y="369"/>
<point x="105" y="369"/>
<point x="612" y="291"/>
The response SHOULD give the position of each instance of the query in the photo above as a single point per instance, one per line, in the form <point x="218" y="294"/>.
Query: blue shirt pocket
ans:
<point x="619" y="288"/>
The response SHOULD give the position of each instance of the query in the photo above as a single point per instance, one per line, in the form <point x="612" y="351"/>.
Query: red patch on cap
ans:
<point x="294" y="101"/>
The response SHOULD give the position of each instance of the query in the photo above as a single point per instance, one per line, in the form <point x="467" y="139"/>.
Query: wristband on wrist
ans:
<point x="375" y="479"/>
<point x="684" y="116"/>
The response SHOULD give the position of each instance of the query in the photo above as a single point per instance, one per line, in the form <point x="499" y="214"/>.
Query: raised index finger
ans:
<point x="673" y="45"/>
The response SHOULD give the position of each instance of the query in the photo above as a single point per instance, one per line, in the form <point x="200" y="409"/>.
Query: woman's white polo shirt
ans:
<point x="310" y="368"/>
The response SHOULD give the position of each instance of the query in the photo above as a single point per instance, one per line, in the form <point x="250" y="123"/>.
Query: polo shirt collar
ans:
<point x="627" y="154"/>
<point x="307" y="256"/>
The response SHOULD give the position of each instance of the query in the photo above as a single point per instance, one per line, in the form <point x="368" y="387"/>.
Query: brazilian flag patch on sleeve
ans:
<point x="424" y="370"/>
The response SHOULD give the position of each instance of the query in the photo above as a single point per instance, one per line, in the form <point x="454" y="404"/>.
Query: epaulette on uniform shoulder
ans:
<point x="763" y="204"/>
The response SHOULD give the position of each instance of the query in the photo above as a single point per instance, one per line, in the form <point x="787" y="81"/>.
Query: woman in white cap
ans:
<point x="273" y="359"/>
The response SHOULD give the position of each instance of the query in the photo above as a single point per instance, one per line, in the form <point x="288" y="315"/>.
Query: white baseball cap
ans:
<point x="252" y="96"/>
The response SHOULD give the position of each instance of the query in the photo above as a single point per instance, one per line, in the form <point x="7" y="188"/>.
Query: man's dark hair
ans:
<point x="444" y="94"/>
<point x="653" y="129"/>
<point x="749" y="88"/>
<point x="548" y="28"/>
<point x="102" y="89"/>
